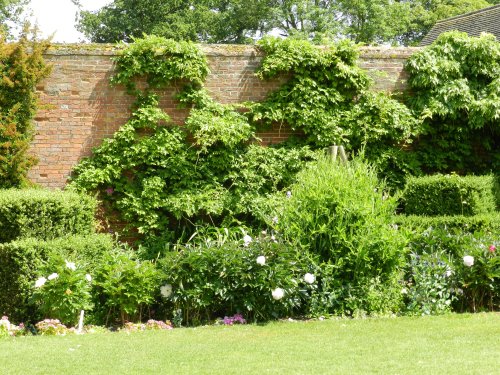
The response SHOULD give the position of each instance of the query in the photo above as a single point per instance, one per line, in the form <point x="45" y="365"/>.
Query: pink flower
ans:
<point x="492" y="248"/>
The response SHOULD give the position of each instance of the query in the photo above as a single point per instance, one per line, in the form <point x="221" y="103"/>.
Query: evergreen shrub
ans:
<point x="449" y="195"/>
<point x="44" y="214"/>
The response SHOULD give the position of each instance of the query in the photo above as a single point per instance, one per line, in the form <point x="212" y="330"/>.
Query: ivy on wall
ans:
<point x="22" y="67"/>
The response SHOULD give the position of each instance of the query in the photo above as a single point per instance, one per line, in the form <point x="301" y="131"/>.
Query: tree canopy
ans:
<point x="241" y="21"/>
<point x="10" y="11"/>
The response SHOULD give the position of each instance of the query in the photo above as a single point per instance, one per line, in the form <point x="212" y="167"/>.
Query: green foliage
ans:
<point x="44" y="214"/>
<point x="429" y="288"/>
<point x="327" y="98"/>
<point x="160" y="61"/>
<point x="162" y="179"/>
<point x="124" y="286"/>
<point x="341" y="213"/>
<point x="240" y="21"/>
<point x="21" y="68"/>
<point x="62" y="290"/>
<point x="475" y="282"/>
<point x="20" y="261"/>
<point x="220" y="279"/>
<point x="454" y="85"/>
<point x="441" y="195"/>
<point x="235" y="21"/>
<point x="487" y="223"/>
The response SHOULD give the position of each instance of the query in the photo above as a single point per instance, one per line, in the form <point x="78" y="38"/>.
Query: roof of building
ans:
<point x="473" y="23"/>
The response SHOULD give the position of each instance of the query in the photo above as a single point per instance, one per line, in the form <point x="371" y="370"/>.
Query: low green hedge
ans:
<point x="449" y="195"/>
<point x="43" y="214"/>
<point x="20" y="260"/>
<point x="486" y="223"/>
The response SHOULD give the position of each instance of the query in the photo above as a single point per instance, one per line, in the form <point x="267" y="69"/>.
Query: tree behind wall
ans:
<point x="242" y="21"/>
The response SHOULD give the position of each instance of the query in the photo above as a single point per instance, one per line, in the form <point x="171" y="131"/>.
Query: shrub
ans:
<point x="449" y="195"/>
<point x="22" y="67"/>
<point x="62" y="290"/>
<point x="20" y="261"/>
<point x="124" y="286"/>
<point x="214" y="280"/>
<point x="475" y="285"/>
<point x="341" y="213"/>
<point x="429" y="284"/>
<point x="44" y="214"/>
<point x="487" y="223"/>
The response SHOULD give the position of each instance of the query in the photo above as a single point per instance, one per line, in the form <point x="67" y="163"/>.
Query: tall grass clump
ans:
<point x="342" y="213"/>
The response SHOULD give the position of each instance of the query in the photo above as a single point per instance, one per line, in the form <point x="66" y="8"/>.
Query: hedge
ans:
<point x="20" y="260"/>
<point x="44" y="214"/>
<point x="486" y="223"/>
<point x="440" y="195"/>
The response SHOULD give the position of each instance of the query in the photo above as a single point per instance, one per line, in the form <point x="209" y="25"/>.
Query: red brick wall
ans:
<point x="79" y="108"/>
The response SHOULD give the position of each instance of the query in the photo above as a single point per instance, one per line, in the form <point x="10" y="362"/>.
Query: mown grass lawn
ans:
<point x="451" y="344"/>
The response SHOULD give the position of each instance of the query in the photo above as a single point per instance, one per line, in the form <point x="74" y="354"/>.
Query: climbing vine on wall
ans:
<point x="22" y="67"/>
<point x="455" y="85"/>
<point x="328" y="98"/>
<point x="164" y="183"/>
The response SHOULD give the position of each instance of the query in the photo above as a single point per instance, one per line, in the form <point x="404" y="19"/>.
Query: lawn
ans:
<point x="451" y="344"/>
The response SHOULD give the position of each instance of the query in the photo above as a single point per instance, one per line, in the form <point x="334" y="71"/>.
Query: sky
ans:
<point x="58" y="16"/>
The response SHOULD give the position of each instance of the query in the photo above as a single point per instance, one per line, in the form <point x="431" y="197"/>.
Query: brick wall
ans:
<point x="79" y="108"/>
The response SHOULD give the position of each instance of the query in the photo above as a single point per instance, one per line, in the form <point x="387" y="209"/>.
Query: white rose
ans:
<point x="52" y="276"/>
<point x="309" y="278"/>
<point x="278" y="293"/>
<point x="40" y="282"/>
<point x="247" y="240"/>
<point x="261" y="260"/>
<point x="468" y="260"/>
<point x="166" y="290"/>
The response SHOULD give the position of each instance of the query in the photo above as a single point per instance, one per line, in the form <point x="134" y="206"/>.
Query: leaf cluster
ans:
<point x="455" y="87"/>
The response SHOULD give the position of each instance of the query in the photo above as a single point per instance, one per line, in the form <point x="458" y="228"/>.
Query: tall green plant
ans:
<point x="342" y="213"/>
<point x="21" y="67"/>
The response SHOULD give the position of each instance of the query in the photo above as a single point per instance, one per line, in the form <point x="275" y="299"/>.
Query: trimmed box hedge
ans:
<point x="20" y="260"/>
<point x="441" y="195"/>
<point x="486" y="223"/>
<point x="44" y="214"/>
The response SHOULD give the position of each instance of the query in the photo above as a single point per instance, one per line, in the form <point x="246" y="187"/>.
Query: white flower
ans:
<point x="275" y="220"/>
<point x="273" y="238"/>
<point x="278" y="293"/>
<point x="261" y="260"/>
<point x="88" y="277"/>
<point x="448" y="273"/>
<point x="468" y="260"/>
<point x="5" y="322"/>
<point x="40" y="282"/>
<point x="309" y="278"/>
<point x="404" y="291"/>
<point x="166" y="290"/>
<point x="247" y="239"/>
<point x="52" y="276"/>
<point x="288" y="194"/>
<point x="70" y="265"/>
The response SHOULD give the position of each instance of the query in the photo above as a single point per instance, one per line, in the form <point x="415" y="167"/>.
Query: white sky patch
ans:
<point x="58" y="17"/>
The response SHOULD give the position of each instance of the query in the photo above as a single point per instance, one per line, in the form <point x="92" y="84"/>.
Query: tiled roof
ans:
<point x="473" y="23"/>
